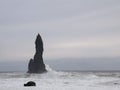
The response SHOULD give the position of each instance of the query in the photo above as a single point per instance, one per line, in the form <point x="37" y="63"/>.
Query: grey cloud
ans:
<point x="74" y="32"/>
<point x="16" y="11"/>
<point x="60" y="22"/>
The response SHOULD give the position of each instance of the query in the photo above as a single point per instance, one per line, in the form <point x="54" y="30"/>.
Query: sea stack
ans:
<point x="37" y="65"/>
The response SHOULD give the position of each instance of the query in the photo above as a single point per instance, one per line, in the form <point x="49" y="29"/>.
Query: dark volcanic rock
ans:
<point x="30" y="83"/>
<point x="37" y="65"/>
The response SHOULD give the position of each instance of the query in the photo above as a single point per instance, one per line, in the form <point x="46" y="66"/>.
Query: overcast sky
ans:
<point x="69" y="28"/>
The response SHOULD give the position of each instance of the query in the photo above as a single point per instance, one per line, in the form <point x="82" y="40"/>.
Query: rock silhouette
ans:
<point x="30" y="83"/>
<point x="37" y="65"/>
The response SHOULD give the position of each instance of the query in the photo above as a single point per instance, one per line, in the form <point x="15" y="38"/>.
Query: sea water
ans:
<point x="59" y="80"/>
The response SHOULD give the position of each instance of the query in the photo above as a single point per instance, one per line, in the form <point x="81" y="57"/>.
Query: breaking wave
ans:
<point x="59" y="80"/>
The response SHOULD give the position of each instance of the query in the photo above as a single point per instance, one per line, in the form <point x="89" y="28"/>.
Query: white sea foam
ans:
<point x="53" y="80"/>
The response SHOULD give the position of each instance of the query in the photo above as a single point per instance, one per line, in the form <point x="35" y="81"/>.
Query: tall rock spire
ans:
<point x="39" y="44"/>
<point x="37" y="65"/>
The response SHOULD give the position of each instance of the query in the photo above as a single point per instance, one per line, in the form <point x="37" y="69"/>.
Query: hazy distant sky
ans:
<point x="69" y="28"/>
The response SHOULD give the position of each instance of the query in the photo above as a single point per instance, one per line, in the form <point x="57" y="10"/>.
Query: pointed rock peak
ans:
<point x="38" y="34"/>
<point x="38" y="37"/>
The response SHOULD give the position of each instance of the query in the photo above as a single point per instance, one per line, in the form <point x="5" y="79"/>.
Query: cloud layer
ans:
<point x="70" y="28"/>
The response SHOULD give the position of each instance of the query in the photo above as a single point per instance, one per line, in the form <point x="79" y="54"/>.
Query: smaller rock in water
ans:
<point x="30" y="83"/>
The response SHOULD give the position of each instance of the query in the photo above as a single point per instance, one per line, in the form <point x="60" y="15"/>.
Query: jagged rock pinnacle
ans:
<point x="37" y="65"/>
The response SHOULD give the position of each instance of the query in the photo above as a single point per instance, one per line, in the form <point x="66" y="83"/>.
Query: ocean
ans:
<point x="61" y="80"/>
